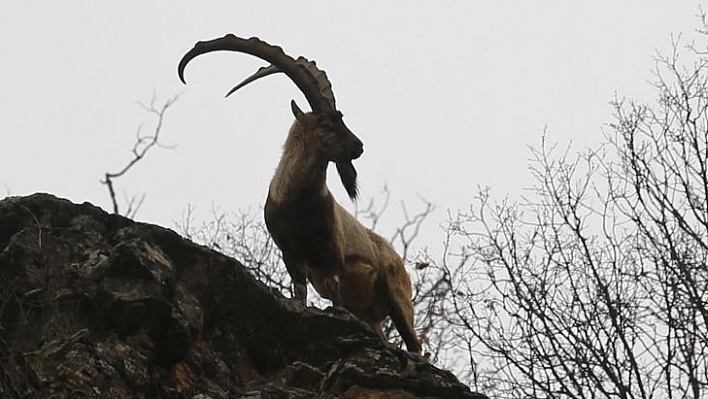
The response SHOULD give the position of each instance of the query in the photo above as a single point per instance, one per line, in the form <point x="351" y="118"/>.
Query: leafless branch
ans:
<point x="143" y="144"/>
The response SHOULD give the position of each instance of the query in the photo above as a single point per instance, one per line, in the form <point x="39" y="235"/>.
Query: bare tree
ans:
<point x="596" y="283"/>
<point x="143" y="144"/>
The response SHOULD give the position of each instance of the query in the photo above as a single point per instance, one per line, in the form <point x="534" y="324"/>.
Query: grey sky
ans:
<point x="445" y="95"/>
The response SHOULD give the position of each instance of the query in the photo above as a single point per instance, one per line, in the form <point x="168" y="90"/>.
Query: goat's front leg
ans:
<point x="298" y="275"/>
<point x="300" y="291"/>
<point x="332" y="286"/>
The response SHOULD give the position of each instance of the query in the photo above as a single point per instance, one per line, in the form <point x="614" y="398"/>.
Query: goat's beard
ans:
<point x="347" y="173"/>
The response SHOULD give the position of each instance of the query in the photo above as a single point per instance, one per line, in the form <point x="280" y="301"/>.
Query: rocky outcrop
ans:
<point x="97" y="305"/>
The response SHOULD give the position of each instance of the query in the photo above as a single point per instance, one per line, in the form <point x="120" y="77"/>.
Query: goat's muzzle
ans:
<point x="356" y="150"/>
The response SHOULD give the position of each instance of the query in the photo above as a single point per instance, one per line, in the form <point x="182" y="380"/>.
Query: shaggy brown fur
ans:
<point x="322" y="242"/>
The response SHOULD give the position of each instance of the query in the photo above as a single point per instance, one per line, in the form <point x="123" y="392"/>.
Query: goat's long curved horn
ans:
<point x="260" y="73"/>
<point x="311" y="81"/>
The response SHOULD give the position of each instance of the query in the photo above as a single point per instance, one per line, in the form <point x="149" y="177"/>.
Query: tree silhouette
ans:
<point x="596" y="283"/>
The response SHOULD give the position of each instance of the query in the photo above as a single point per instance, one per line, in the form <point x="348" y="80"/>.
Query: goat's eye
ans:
<point x="326" y="126"/>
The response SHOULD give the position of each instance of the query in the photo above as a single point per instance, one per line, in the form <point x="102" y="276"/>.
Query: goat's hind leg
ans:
<point x="397" y="287"/>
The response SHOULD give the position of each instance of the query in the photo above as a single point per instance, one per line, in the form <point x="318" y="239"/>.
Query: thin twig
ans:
<point x="143" y="144"/>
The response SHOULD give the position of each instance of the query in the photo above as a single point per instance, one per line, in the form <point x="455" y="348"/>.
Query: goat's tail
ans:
<point x="400" y="306"/>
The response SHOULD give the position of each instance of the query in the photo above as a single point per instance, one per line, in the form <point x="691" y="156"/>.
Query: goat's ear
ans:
<point x="297" y="112"/>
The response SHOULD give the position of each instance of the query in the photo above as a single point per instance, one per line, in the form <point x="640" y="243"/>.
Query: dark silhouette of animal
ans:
<point x="320" y="241"/>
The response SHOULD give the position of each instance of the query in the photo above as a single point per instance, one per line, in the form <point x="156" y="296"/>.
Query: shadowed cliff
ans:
<point x="97" y="305"/>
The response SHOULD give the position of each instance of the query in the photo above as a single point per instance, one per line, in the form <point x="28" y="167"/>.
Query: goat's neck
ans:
<point x="299" y="174"/>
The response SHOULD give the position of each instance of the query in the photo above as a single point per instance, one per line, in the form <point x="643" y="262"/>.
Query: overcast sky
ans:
<point x="446" y="96"/>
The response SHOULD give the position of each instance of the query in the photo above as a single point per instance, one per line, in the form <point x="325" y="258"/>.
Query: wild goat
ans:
<point x="345" y="262"/>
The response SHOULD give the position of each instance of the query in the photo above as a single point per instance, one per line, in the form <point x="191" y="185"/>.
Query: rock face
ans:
<point x="96" y="305"/>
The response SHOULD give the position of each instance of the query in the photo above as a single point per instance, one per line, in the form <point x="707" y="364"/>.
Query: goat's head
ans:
<point x="328" y="136"/>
